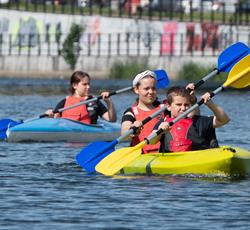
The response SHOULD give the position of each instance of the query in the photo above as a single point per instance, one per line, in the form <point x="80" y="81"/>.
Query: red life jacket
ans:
<point x="147" y="128"/>
<point x="177" y="138"/>
<point x="78" y="113"/>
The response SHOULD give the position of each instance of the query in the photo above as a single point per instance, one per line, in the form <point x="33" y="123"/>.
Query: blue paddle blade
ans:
<point x="90" y="166"/>
<point x="93" y="153"/>
<point x="162" y="78"/>
<point x="3" y="135"/>
<point x="4" y="125"/>
<point x="14" y="123"/>
<point x="230" y="56"/>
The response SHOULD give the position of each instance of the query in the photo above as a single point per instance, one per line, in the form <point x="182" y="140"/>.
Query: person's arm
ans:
<point x="60" y="105"/>
<point x="193" y="99"/>
<point x="129" y="121"/>
<point x="110" y="115"/>
<point x="160" y="125"/>
<point x="165" y="127"/>
<point x="220" y="116"/>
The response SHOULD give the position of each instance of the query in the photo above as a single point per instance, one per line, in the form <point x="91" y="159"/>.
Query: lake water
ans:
<point x="42" y="187"/>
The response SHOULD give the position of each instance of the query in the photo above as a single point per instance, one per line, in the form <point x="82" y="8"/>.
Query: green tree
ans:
<point x="71" y="47"/>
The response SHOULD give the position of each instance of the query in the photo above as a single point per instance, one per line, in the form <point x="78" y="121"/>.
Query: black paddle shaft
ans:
<point x="92" y="99"/>
<point x="199" y="83"/>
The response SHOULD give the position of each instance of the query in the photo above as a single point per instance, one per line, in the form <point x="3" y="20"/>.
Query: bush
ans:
<point x="71" y="48"/>
<point x="127" y="70"/>
<point x="192" y="71"/>
<point x="195" y="72"/>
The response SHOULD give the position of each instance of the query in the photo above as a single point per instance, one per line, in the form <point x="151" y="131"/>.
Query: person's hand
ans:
<point x="50" y="113"/>
<point x="164" y="126"/>
<point x="139" y="126"/>
<point x="105" y="96"/>
<point x="191" y="88"/>
<point x="57" y="115"/>
<point x="207" y="98"/>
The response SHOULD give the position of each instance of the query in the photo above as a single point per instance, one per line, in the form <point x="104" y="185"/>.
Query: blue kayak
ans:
<point x="60" y="129"/>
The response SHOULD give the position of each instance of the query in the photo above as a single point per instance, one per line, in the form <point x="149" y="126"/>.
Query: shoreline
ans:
<point x="48" y="74"/>
<point x="57" y="86"/>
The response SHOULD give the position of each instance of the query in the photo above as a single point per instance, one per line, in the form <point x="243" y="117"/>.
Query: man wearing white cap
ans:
<point x="145" y="87"/>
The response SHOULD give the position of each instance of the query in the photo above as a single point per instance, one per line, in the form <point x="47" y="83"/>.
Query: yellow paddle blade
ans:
<point x="239" y="76"/>
<point x="118" y="159"/>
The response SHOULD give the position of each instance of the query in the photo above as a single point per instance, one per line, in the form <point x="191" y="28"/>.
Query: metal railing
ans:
<point x="120" y="44"/>
<point x="224" y="12"/>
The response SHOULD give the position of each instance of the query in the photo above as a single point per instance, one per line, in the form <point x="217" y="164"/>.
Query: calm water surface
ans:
<point x="42" y="187"/>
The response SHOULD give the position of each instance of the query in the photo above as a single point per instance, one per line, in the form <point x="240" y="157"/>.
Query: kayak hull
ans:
<point x="223" y="161"/>
<point x="56" y="130"/>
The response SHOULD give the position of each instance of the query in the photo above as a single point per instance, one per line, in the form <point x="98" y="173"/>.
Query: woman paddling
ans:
<point x="87" y="113"/>
<point x="145" y="87"/>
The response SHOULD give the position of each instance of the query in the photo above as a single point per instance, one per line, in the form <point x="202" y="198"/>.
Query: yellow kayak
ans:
<point x="225" y="161"/>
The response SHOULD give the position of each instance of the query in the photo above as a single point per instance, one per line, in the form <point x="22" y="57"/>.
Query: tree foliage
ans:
<point x="71" y="47"/>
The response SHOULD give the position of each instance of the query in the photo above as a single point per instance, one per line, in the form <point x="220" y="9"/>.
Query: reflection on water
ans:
<point x="216" y="178"/>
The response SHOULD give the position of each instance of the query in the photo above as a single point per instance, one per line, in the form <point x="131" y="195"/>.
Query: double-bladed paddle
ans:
<point x="93" y="153"/>
<point x="239" y="77"/>
<point x="96" y="151"/>
<point x="162" y="82"/>
<point x="227" y="60"/>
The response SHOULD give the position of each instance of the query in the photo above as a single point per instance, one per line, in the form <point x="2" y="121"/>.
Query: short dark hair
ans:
<point x="177" y="91"/>
<point x="193" y="99"/>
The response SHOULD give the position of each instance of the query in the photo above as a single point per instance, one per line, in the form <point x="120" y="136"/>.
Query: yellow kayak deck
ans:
<point x="224" y="160"/>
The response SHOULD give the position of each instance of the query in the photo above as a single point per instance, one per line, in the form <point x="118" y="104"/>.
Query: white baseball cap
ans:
<point x="142" y="75"/>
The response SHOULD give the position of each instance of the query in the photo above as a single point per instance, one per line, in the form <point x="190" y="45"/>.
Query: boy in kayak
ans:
<point x="193" y="132"/>
<point x="146" y="104"/>
<point x="87" y="113"/>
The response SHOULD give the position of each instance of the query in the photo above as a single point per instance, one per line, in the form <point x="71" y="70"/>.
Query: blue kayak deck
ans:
<point x="59" y="129"/>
